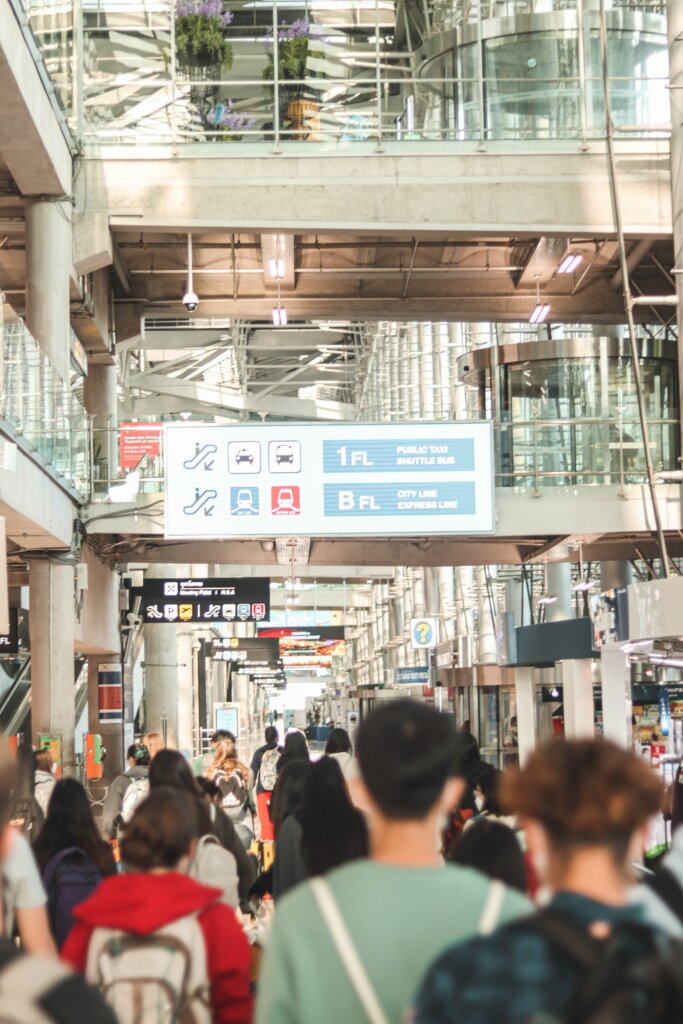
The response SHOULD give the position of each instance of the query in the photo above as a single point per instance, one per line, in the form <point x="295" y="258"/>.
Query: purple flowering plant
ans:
<point x="224" y="116"/>
<point x="200" y="33"/>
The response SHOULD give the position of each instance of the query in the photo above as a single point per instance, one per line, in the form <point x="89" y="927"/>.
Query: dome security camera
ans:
<point x="190" y="301"/>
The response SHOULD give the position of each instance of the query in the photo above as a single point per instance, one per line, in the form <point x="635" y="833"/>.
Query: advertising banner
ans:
<point x="137" y="440"/>
<point x="308" y="649"/>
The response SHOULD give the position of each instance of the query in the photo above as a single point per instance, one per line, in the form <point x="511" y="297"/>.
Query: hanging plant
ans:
<point x="200" y="34"/>
<point x="294" y="49"/>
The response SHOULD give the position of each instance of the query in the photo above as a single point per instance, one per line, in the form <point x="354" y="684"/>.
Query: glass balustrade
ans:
<point x="344" y="71"/>
<point x="39" y="407"/>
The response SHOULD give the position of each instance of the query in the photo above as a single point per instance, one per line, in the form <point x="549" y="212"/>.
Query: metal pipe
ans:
<point x="628" y="297"/>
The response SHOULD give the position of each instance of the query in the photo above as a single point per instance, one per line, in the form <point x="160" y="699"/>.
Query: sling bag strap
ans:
<point x="665" y="884"/>
<point x="348" y="954"/>
<point x="493" y="904"/>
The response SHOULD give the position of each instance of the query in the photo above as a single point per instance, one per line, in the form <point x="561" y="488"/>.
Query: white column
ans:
<point x="186" y="687"/>
<point x="48" y="271"/>
<point x="487" y="633"/>
<point x="617" y="706"/>
<point x="577" y="690"/>
<point x="161" y="670"/>
<point x="559" y="576"/>
<point x="52" y="624"/>
<point x="525" y="696"/>
<point x="100" y="400"/>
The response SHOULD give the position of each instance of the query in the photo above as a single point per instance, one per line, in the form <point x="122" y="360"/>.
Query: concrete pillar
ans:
<point x="617" y="706"/>
<point x="525" y="697"/>
<point x="615" y="574"/>
<point x="517" y="600"/>
<point x="674" y="17"/>
<point x="52" y="626"/>
<point x="100" y="400"/>
<point x="48" y="272"/>
<point x="241" y="687"/>
<point x="185" y="659"/>
<point x="161" y="669"/>
<point x="577" y="693"/>
<point x="559" y="576"/>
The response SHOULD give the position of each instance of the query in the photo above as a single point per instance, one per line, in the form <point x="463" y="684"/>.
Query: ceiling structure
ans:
<point x="393" y="276"/>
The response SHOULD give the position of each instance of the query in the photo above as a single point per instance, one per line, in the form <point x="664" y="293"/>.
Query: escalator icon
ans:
<point x="202" y="455"/>
<point x="201" y="501"/>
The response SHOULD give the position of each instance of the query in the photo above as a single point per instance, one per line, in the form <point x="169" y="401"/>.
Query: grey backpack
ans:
<point x="161" y="978"/>
<point x="216" y="867"/>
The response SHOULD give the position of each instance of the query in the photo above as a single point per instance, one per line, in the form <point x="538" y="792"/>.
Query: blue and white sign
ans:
<point x="424" y="634"/>
<point x="326" y="479"/>
<point x="418" y="675"/>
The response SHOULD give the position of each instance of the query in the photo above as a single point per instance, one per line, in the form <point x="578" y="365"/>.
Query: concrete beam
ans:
<point x="32" y="141"/>
<point x="522" y="188"/>
<point x="39" y="514"/>
<point x="226" y="398"/>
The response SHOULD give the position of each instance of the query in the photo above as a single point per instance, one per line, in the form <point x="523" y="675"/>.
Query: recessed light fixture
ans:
<point x="540" y="313"/>
<point x="541" y="309"/>
<point x="569" y="264"/>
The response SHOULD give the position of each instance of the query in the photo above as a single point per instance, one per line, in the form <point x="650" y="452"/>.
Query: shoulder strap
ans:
<point x="665" y="884"/>
<point x="52" y="865"/>
<point x="348" y="954"/>
<point x="493" y="904"/>
<point x="568" y="935"/>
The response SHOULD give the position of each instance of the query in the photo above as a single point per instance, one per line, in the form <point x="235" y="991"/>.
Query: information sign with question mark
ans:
<point x="424" y="633"/>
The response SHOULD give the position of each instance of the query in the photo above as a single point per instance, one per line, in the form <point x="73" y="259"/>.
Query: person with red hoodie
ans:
<point x="153" y="935"/>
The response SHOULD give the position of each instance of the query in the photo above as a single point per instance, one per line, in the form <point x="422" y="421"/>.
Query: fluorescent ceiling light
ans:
<point x="276" y="268"/>
<point x="540" y="313"/>
<point x="570" y="262"/>
<point x="279" y="316"/>
<point x="582" y="586"/>
<point x="547" y="599"/>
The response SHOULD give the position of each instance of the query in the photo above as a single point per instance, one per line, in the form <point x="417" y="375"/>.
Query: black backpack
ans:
<point x="616" y="988"/>
<point x="69" y="878"/>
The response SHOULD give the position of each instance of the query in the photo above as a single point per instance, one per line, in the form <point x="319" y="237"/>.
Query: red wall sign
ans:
<point x="137" y="440"/>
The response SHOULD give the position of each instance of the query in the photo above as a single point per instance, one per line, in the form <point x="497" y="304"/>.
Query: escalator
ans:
<point x="15" y="696"/>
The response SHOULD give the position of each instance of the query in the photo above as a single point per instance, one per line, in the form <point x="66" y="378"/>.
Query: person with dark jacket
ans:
<point x="151" y="897"/>
<point x="169" y="768"/>
<point x="39" y="985"/>
<point x="139" y="760"/>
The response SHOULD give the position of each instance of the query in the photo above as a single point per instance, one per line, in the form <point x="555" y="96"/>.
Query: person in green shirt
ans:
<point x="403" y="906"/>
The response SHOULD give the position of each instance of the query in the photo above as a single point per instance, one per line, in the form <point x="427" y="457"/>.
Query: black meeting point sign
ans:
<point x="208" y="601"/>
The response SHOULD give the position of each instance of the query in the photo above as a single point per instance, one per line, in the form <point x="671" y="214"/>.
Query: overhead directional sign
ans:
<point x="347" y="479"/>
<point x="208" y="601"/>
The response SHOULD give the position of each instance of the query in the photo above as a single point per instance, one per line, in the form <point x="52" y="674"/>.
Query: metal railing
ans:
<point x="39" y="408"/>
<point x="529" y="455"/>
<point x="589" y="451"/>
<point x="125" y="76"/>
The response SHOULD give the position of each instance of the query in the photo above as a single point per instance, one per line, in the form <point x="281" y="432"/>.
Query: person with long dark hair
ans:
<point x="295" y="749"/>
<point x="333" y="831"/>
<point x="339" y="747"/>
<point x="72" y="857"/>
<point x="289" y="867"/>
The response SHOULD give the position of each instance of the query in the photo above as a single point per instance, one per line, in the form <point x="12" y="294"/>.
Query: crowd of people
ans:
<point x="405" y="879"/>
